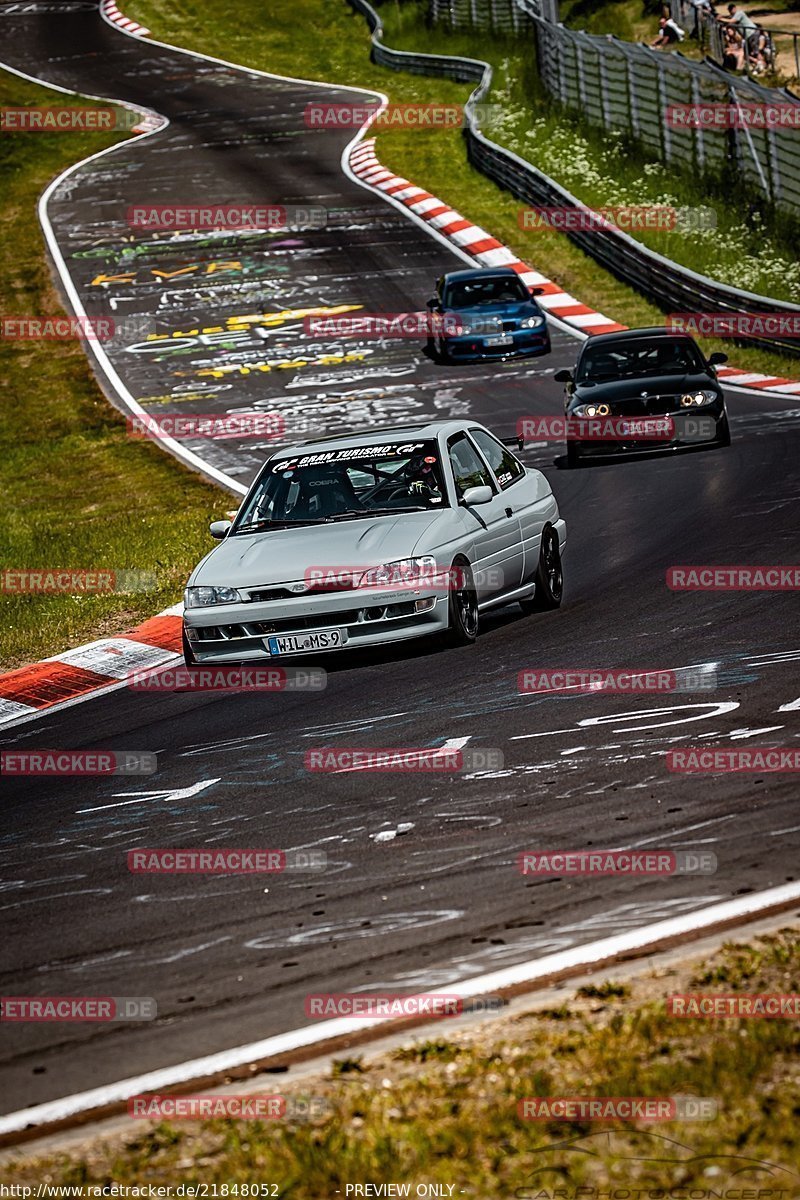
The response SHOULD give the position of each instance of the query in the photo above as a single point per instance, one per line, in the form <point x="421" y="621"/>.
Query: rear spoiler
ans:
<point x="517" y="441"/>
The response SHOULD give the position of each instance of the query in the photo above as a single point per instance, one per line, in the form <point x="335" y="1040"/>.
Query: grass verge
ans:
<point x="80" y="494"/>
<point x="288" y="42"/>
<point x="444" y="1110"/>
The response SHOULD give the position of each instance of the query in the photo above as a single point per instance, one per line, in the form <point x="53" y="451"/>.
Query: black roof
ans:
<point x="628" y="335"/>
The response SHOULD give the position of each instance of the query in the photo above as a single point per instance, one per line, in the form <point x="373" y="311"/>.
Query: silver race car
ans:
<point x="375" y="537"/>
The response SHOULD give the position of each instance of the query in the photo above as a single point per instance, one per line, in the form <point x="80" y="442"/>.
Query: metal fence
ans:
<point x="671" y="287"/>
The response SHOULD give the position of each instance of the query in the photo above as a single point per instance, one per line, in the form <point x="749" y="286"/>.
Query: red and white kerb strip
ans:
<point x="90" y="668"/>
<point x="110" y="11"/>
<point x="485" y="249"/>
<point x="488" y="252"/>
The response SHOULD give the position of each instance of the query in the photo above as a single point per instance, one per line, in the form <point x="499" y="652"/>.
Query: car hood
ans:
<point x="516" y="310"/>
<point x="632" y="389"/>
<point x="284" y="555"/>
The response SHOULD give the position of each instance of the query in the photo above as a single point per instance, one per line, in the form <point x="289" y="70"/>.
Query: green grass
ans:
<point x="444" y="1110"/>
<point x="437" y="160"/>
<point x="78" y="492"/>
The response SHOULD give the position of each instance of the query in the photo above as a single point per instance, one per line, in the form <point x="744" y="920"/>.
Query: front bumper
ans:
<point x="692" y="429"/>
<point x="233" y="633"/>
<point x="473" y="348"/>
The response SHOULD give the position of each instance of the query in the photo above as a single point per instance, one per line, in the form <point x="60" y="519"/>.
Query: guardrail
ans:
<point x="671" y="287"/>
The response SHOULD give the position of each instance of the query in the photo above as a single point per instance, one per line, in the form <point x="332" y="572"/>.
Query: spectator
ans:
<point x="733" y="58"/>
<point x="762" y="57"/>
<point x="738" y="19"/>
<point x="668" y="33"/>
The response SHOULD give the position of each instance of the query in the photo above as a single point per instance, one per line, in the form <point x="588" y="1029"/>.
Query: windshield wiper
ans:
<point x="269" y="524"/>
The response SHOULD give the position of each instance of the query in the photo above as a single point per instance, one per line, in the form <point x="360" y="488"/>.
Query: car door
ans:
<point x="495" y="527"/>
<point x="525" y="491"/>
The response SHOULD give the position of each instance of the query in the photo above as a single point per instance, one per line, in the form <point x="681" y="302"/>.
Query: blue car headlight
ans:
<point x="202" y="597"/>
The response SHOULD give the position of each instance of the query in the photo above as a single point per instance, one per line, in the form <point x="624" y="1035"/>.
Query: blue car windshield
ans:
<point x="494" y="289"/>
<point x="346" y="484"/>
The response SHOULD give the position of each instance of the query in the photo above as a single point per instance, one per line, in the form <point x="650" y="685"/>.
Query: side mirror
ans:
<point x="219" y="529"/>
<point x="718" y="357"/>
<point x="478" y="495"/>
<point x="563" y="376"/>
<point x="433" y="302"/>
<point x="536" y="291"/>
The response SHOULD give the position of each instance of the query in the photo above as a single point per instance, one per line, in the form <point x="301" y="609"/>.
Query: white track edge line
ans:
<point x="527" y="972"/>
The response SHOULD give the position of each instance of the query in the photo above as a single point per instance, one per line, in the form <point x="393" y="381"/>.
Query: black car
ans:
<point x="487" y="312"/>
<point x="622" y="378"/>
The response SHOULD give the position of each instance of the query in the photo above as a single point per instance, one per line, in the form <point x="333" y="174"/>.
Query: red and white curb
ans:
<point x="488" y="252"/>
<point x="109" y="10"/>
<point x="90" y="669"/>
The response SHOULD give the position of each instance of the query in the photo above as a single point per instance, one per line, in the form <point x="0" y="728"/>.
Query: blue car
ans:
<point x="485" y="313"/>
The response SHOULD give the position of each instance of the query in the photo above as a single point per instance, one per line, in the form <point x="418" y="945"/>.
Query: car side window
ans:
<point x="468" y="469"/>
<point x="506" y="467"/>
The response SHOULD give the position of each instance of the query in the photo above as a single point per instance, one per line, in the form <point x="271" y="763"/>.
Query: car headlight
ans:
<point x="405" y="571"/>
<point x="531" y="322"/>
<point x="694" y="398"/>
<point x="591" y="410"/>
<point x="202" y="597"/>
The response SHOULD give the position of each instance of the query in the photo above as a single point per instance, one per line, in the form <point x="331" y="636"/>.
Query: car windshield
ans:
<point x="494" y="289"/>
<point x="639" y="356"/>
<point x="345" y="484"/>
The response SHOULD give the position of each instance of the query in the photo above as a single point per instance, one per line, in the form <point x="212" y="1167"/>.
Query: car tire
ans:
<point x="723" y="431"/>
<point x="573" y="455"/>
<point x="462" y="605"/>
<point x="549" y="578"/>
<point x="188" y="657"/>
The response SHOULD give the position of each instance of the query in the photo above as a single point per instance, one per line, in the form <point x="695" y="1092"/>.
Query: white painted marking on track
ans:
<point x="573" y="959"/>
<point x="158" y="794"/>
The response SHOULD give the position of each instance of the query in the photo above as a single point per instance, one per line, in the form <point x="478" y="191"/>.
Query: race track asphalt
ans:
<point x="231" y="959"/>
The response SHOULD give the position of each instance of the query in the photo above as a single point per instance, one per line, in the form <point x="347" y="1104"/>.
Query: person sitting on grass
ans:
<point x="669" y="32"/>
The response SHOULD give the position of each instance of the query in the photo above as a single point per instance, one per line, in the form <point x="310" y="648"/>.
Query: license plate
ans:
<point x="503" y="339"/>
<point x="304" y="643"/>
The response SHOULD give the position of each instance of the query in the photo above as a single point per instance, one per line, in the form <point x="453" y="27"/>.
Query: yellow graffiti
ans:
<point x="277" y="364"/>
<point x="241" y="324"/>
